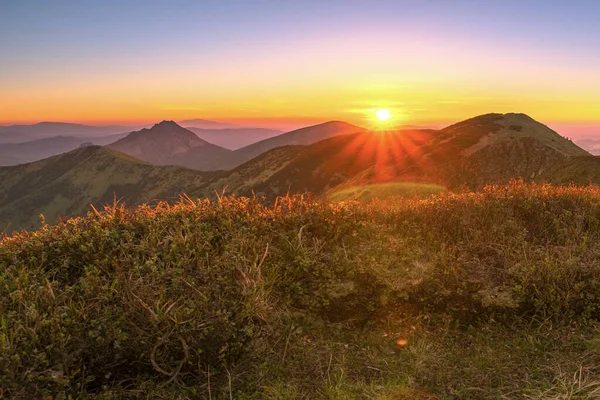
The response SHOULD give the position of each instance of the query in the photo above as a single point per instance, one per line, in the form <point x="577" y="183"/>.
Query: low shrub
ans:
<point x="198" y="294"/>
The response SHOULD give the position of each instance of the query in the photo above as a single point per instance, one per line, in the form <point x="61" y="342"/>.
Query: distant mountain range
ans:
<point x="208" y="124"/>
<point x="44" y="130"/>
<point x="591" y="145"/>
<point x="20" y="153"/>
<point x="234" y="138"/>
<point x="303" y="136"/>
<point x="168" y="143"/>
<point x="491" y="148"/>
<point x="27" y="143"/>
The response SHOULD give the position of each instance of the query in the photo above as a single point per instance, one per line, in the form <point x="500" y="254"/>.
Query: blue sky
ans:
<point x="62" y="42"/>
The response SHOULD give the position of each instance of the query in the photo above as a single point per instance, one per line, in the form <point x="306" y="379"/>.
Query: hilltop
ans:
<point x="492" y="148"/>
<point x="488" y="149"/>
<point x="480" y="295"/>
<point x="167" y="143"/>
<point x="67" y="184"/>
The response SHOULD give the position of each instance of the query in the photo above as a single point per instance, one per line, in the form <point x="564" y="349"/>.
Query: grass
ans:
<point x="386" y="190"/>
<point x="480" y="295"/>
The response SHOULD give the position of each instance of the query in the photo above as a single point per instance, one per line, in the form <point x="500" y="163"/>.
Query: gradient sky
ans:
<point x="286" y="62"/>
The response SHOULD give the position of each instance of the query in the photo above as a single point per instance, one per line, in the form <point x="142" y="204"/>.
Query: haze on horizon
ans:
<point x="283" y="64"/>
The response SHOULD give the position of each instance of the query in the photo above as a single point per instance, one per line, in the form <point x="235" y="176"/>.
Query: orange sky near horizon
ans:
<point x="291" y="73"/>
<point x="280" y="91"/>
<point x="304" y="101"/>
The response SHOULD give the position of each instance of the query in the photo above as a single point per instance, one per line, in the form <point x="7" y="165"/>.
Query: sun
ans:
<point x="383" y="115"/>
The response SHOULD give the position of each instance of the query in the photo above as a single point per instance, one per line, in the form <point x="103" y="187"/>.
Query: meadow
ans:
<point x="475" y="295"/>
<point x="382" y="191"/>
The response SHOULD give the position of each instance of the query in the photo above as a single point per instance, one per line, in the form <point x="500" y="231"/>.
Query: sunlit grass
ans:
<point x="480" y="295"/>
<point x="386" y="190"/>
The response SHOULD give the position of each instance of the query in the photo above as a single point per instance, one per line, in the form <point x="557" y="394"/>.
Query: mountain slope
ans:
<point x="167" y="143"/>
<point x="68" y="183"/>
<point x="492" y="148"/>
<point x="26" y="133"/>
<point x="234" y="138"/>
<point x="20" y="153"/>
<point x="476" y="133"/>
<point x="302" y="136"/>
<point x="575" y="170"/>
<point x="488" y="149"/>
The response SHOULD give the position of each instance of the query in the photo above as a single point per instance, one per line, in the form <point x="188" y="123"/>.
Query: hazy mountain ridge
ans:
<point x="42" y="130"/>
<point x="492" y="148"/>
<point x="590" y="145"/>
<point x="303" y="136"/>
<point x="234" y="138"/>
<point x="167" y="143"/>
<point x="207" y="124"/>
<point x="24" y="152"/>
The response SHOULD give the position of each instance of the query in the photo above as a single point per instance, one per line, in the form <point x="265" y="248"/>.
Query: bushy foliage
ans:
<point x="201" y="294"/>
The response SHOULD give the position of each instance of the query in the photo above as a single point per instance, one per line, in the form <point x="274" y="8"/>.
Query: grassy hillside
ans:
<point x="489" y="149"/>
<point x="303" y="136"/>
<point x="67" y="184"/>
<point x="474" y="296"/>
<point x="384" y="191"/>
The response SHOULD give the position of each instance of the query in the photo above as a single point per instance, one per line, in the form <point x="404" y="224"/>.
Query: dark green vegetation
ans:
<point x="488" y="149"/>
<point x="493" y="294"/>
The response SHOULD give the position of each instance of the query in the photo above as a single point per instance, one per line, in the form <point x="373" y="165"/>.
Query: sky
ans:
<point x="285" y="63"/>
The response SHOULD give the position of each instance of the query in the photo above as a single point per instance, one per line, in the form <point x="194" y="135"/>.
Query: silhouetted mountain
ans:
<point x="19" y="153"/>
<point x="234" y="138"/>
<point x="304" y="136"/>
<point x="167" y="143"/>
<point x="492" y="148"/>
<point x="42" y="130"/>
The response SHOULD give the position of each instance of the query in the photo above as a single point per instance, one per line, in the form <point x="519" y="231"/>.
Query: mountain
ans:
<point x="491" y="148"/>
<point x="167" y="143"/>
<point x="20" y="153"/>
<point x="42" y="130"/>
<point x="303" y="136"/>
<point x="68" y="183"/>
<point x="234" y="138"/>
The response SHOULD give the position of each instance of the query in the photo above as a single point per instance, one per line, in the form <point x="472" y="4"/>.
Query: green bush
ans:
<point x="198" y="294"/>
